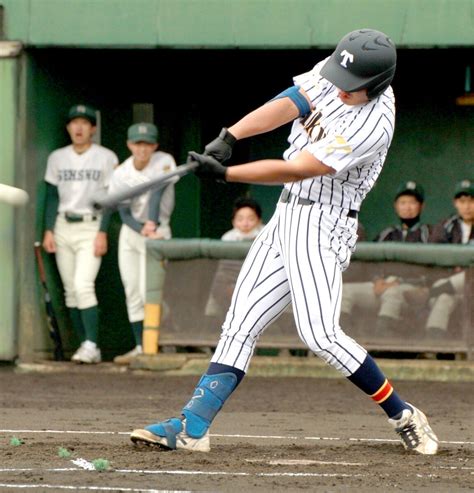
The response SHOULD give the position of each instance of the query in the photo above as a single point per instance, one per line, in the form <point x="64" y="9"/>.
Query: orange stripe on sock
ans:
<point x="384" y="392"/>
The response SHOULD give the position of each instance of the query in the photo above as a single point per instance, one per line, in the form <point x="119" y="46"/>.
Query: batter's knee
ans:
<point x="340" y="352"/>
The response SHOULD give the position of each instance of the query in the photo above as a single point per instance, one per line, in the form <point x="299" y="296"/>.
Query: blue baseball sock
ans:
<point x="373" y="382"/>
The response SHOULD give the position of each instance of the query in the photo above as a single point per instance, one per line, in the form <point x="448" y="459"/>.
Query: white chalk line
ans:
<point x="87" y="488"/>
<point x="230" y="473"/>
<point x="263" y="437"/>
<point x="304" y="462"/>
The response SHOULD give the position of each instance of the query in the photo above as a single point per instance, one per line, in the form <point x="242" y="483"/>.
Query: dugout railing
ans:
<point x="190" y="284"/>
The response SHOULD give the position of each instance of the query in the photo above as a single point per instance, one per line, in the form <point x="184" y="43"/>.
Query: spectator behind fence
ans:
<point x="73" y="230"/>
<point x="385" y="294"/>
<point x="446" y="294"/>
<point x="246" y="220"/>
<point x="247" y="223"/>
<point x="146" y="216"/>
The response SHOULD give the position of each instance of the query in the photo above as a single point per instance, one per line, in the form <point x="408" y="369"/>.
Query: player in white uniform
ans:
<point x="343" y="120"/>
<point x="147" y="216"/>
<point x="73" y="230"/>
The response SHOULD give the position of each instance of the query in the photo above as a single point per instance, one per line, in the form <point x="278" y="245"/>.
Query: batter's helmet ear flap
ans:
<point x="378" y="87"/>
<point x="363" y="59"/>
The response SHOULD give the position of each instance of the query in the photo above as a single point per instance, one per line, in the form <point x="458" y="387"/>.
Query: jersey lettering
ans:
<point x="312" y="126"/>
<point x="79" y="175"/>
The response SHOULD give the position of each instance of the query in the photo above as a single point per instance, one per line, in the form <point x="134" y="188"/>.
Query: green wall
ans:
<point x="234" y="23"/>
<point x="8" y="269"/>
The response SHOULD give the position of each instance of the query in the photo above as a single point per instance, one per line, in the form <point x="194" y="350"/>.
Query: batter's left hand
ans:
<point x="208" y="167"/>
<point x="100" y="244"/>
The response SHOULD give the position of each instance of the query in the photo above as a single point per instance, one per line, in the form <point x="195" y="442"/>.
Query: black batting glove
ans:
<point x="208" y="167"/>
<point x="221" y="147"/>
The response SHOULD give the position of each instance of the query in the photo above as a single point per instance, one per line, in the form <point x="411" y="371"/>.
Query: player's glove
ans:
<point x="221" y="147"/>
<point x="208" y="167"/>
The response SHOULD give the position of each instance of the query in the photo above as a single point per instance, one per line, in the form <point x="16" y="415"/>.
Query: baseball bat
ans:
<point x="113" y="200"/>
<point x="53" y="325"/>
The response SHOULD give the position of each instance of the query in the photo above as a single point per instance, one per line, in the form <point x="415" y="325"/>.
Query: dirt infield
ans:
<point x="274" y="434"/>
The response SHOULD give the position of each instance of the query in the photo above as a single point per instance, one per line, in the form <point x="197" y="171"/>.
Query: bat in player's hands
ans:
<point x="207" y="166"/>
<point x="114" y="200"/>
<point x="53" y="326"/>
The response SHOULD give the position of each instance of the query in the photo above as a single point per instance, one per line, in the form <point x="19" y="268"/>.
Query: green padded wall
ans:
<point x="234" y="23"/>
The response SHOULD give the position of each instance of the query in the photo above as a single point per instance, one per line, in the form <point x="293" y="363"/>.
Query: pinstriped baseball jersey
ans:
<point x="301" y="253"/>
<point x="353" y="140"/>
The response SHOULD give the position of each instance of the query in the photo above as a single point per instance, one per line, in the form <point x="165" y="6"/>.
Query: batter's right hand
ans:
<point x="221" y="147"/>
<point x="208" y="167"/>
<point x="49" y="244"/>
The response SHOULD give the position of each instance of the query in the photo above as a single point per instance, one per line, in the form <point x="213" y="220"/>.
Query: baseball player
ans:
<point x="447" y="294"/>
<point x="246" y="220"/>
<point x="385" y="295"/>
<point x="343" y="117"/>
<point x="247" y="224"/>
<point x="147" y="216"/>
<point x="73" y="230"/>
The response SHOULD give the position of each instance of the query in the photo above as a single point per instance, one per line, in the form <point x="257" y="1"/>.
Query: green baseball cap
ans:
<point x="143" y="132"/>
<point x="411" y="188"/>
<point x="82" y="111"/>
<point x="464" y="187"/>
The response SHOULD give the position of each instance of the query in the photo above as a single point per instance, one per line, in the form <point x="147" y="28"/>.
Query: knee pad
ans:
<point x="208" y="398"/>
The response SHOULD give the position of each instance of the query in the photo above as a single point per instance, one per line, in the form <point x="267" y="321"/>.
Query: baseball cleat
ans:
<point x="171" y="435"/>
<point x="127" y="358"/>
<point x="415" y="432"/>
<point x="88" y="353"/>
<point x="75" y="357"/>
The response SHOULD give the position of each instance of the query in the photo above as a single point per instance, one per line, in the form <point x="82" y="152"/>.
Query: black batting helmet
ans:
<point x="363" y="59"/>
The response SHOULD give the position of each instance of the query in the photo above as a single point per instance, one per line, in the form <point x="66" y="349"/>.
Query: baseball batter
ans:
<point x="73" y="230"/>
<point x="147" y="216"/>
<point x="343" y="121"/>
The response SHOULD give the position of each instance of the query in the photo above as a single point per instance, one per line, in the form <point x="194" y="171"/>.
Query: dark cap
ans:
<point x="82" y="111"/>
<point x="143" y="132"/>
<point x="464" y="187"/>
<point x="364" y="58"/>
<point x="411" y="188"/>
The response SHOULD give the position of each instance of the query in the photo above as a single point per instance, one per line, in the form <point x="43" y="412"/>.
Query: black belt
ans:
<point x="286" y="196"/>
<point x="78" y="218"/>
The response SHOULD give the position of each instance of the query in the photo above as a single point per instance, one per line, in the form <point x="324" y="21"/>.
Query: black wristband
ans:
<point x="227" y="137"/>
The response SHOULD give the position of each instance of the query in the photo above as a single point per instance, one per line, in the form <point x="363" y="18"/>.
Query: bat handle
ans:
<point x="39" y="260"/>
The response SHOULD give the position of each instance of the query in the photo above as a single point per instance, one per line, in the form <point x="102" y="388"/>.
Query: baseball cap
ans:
<point x="143" y="132"/>
<point x="464" y="187"/>
<point x="411" y="188"/>
<point x="82" y="111"/>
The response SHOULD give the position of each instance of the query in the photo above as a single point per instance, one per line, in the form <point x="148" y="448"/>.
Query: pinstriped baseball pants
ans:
<point x="298" y="258"/>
